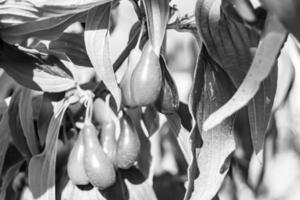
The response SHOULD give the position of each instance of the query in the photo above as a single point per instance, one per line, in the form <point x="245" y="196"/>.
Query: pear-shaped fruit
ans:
<point x="102" y="113"/>
<point x="125" y="84"/>
<point x="129" y="144"/>
<point x="146" y="78"/>
<point x="97" y="165"/>
<point x="168" y="100"/>
<point x="108" y="140"/>
<point x="75" y="166"/>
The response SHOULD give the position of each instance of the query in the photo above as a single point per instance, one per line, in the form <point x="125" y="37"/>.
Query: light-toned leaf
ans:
<point x="42" y="19"/>
<point x="96" y="36"/>
<point x="157" y="13"/>
<point x="44" y="164"/>
<point x="141" y="191"/>
<point x="46" y="29"/>
<point x="34" y="70"/>
<point x="26" y="118"/>
<point x="212" y="158"/>
<point x="58" y="7"/>
<point x="8" y="178"/>
<point x="265" y="58"/>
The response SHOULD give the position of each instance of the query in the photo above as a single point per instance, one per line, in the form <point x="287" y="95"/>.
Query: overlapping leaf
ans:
<point x="157" y="12"/>
<point x="265" y="58"/>
<point x="34" y="70"/>
<point x="96" y="38"/>
<point x="213" y="157"/>
<point x="26" y="119"/>
<point x="15" y="127"/>
<point x="41" y="19"/>
<point x="73" y="46"/>
<point x="43" y="186"/>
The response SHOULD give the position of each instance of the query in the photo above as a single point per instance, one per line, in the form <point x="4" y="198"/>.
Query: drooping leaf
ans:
<point x="44" y="28"/>
<point x="265" y="58"/>
<point x="260" y="109"/>
<point x="227" y="41"/>
<point x="15" y="127"/>
<point x="218" y="143"/>
<point x="43" y="186"/>
<point x="157" y="13"/>
<point x="44" y="118"/>
<point x="41" y="19"/>
<point x="96" y="36"/>
<point x="34" y="70"/>
<point x="26" y="119"/>
<point x="58" y="7"/>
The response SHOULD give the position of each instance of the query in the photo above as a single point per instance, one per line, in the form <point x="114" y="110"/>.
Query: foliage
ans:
<point x="65" y="138"/>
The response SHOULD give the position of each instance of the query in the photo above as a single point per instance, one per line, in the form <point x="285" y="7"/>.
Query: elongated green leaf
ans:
<point x="44" y="118"/>
<point x="265" y="58"/>
<point x="57" y="7"/>
<point x="8" y="178"/>
<point x="26" y="118"/>
<point x="35" y="71"/>
<point x="96" y="36"/>
<point x="43" y="186"/>
<point x="218" y="143"/>
<point x="260" y="109"/>
<point x="43" y="28"/>
<point x="195" y="97"/>
<point x="15" y="127"/>
<point x="157" y="12"/>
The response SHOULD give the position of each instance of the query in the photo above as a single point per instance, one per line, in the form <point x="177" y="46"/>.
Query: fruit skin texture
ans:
<point x="125" y="84"/>
<point x="102" y="113"/>
<point x="75" y="165"/>
<point x="97" y="165"/>
<point x="128" y="144"/>
<point x="108" y="140"/>
<point x="146" y="78"/>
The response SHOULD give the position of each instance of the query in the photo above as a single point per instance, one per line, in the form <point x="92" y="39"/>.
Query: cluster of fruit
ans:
<point x="94" y="160"/>
<point x="147" y="81"/>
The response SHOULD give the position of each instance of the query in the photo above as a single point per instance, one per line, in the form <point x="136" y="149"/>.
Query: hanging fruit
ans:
<point x="108" y="140"/>
<point x="128" y="144"/>
<point x="97" y="165"/>
<point x="146" y="78"/>
<point x="75" y="166"/>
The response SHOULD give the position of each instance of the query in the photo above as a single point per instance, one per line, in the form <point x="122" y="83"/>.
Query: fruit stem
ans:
<point x="140" y="35"/>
